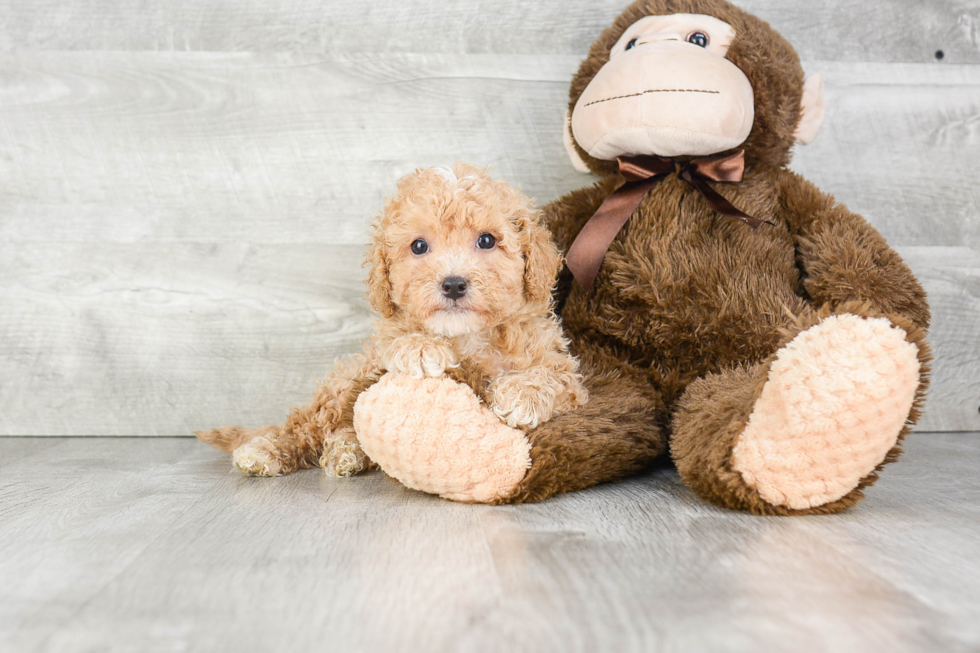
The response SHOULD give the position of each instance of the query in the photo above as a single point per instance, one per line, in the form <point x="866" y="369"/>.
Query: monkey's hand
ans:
<point x="419" y="355"/>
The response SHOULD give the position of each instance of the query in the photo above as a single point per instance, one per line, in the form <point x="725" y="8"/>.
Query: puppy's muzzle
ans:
<point x="454" y="287"/>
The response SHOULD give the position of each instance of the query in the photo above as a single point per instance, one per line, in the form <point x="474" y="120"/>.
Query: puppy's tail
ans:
<point x="229" y="438"/>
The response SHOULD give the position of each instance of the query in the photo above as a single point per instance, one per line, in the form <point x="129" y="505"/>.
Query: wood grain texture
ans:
<point x="300" y="148"/>
<point x="951" y="276"/>
<point x="181" y="234"/>
<point x="887" y="30"/>
<point x="121" y="545"/>
<point x="259" y="148"/>
<point x="165" y="339"/>
<point x="897" y="147"/>
<point x="162" y="339"/>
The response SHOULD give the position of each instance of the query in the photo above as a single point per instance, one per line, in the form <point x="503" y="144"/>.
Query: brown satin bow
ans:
<point x="642" y="173"/>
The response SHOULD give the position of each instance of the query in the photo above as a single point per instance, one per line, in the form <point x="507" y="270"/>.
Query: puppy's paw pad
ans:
<point x="257" y="458"/>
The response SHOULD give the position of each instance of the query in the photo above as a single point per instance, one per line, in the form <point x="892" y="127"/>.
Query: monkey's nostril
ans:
<point x="454" y="287"/>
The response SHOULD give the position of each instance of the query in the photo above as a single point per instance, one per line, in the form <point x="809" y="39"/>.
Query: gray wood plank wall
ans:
<point x="185" y="186"/>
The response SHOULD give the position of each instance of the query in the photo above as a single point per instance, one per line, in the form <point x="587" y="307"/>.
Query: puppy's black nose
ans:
<point x="454" y="287"/>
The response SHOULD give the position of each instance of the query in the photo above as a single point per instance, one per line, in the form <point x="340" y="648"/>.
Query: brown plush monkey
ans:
<point x="763" y="335"/>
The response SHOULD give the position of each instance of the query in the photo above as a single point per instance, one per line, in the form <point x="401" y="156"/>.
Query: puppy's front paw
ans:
<point x="258" y="457"/>
<point x="419" y="356"/>
<point x="525" y="398"/>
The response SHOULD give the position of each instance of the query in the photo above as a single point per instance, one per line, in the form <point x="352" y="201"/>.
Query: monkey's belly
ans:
<point x="688" y="312"/>
<point x="696" y="331"/>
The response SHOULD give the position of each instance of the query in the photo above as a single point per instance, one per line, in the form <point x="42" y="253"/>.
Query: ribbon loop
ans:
<point x="725" y="168"/>
<point x="641" y="174"/>
<point x="641" y="168"/>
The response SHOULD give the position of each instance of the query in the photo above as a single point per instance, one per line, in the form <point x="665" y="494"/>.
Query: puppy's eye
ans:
<point x="631" y="44"/>
<point x="699" y="39"/>
<point x="486" y="241"/>
<point x="419" y="246"/>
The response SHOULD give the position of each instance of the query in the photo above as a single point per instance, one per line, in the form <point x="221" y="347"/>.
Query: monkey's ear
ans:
<point x="541" y="261"/>
<point x="379" y="285"/>
<point x="577" y="161"/>
<point x="812" y="109"/>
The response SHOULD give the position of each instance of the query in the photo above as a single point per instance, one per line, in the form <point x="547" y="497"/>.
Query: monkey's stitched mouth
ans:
<point x="652" y="90"/>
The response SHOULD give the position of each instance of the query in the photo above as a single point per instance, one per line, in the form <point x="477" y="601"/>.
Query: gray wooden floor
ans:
<point x="130" y="544"/>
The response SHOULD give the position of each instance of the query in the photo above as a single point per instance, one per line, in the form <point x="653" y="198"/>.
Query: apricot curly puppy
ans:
<point x="461" y="275"/>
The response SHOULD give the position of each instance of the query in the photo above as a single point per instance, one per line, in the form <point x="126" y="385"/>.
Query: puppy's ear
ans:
<point x="379" y="285"/>
<point x="541" y="260"/>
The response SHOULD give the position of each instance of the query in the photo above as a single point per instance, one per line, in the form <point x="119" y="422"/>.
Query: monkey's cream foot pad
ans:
<point x="835" y="402"/>
<point x="434" y="435"/>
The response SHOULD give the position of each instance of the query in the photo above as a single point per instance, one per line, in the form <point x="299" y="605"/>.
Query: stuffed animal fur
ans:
<point x="780" y="367"/>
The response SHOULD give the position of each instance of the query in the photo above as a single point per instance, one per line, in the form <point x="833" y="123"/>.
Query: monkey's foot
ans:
<point x="433" y="435"/>
<point x="836" y="399"/>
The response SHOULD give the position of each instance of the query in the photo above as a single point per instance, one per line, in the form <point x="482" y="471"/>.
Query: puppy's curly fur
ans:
<point x="473" y="301"/>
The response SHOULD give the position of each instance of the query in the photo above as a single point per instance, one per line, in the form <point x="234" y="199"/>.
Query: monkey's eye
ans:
<point x="486" y="241"/>
<point x="631" y="44"/>
<point x="699" y="39"/>
<point x="419" y="246"/>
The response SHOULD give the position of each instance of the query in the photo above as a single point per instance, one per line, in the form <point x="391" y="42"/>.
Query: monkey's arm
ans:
<point x="844" y="259"/>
